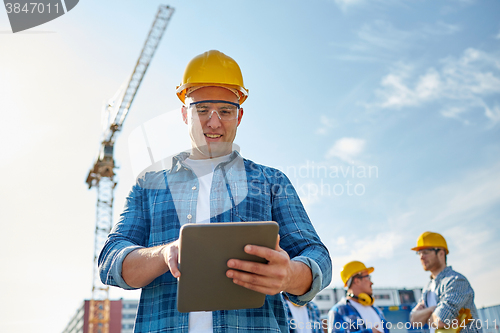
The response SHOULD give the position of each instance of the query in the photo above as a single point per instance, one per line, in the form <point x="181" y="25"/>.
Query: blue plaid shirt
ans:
<point x="161" y="202"/>
<point x="344" y="318"/>
<point x="453" y="292"/>
<point x="314" y="318"/>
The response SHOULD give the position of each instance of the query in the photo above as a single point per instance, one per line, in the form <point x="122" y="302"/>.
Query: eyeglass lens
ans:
<point x="224" y="110"/>
<point x="426" y="251"/>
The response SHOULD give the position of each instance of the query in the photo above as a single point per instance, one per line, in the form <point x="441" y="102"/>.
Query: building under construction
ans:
<point x="121" y="317"/>
<point x="395" y="303"/>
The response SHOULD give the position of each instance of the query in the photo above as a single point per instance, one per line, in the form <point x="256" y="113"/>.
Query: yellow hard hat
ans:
<point x="352" y="268"/>
<point x="212" y="68"/>
<point x="430" y="239"/>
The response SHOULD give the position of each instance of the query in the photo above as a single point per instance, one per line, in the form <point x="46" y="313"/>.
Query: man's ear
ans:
<point x="442" y="254"/>
<point x="240" y="116"/>
<point x="184" y="114"/>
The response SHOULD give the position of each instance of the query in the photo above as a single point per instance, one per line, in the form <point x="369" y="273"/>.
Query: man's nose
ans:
<point x="214" y="121"/>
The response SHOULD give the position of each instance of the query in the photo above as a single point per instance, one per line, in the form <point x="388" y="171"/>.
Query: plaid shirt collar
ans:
<point x="178" y="160"/>
<point x="445" y="272"/>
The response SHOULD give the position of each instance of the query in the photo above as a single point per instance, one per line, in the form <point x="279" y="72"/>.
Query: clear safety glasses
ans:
<point x="203" y="110"/>
<point x="363" y="276"/>
<point x="427" y="251"/>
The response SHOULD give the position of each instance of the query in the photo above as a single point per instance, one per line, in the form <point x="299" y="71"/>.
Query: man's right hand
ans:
<point x="170" y="254"/>
<point x="142" y="266"/>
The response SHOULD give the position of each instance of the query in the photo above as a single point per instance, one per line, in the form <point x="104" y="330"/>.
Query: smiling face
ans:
<point x="211" y="137"/>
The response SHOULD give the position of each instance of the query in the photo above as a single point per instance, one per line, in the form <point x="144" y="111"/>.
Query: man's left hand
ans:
<point x="271" y="278"/>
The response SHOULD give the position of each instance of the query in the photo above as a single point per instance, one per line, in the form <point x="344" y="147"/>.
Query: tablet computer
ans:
<point x="204" y="250"/>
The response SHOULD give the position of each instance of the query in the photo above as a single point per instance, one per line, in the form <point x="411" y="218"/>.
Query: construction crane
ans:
<point x="101" y="175"/>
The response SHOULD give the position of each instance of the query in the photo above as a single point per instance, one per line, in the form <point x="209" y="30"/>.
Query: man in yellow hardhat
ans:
<point x="447" y="294"/>
<point x="356" y="312"/>
<point x="213" y="183"/>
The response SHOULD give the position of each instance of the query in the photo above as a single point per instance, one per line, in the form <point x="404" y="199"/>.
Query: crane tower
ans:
<point x="101" y="175"/>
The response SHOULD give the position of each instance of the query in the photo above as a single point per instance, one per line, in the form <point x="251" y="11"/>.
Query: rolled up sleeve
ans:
<point x="457" y="293"/>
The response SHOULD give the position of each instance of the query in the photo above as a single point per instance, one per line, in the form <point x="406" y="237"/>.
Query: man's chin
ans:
<point x="215" y="149"/>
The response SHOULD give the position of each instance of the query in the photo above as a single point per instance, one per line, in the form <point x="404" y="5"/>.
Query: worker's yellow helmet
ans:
<point x="212" y="68"/>
<point x="430" y="239"/>
<point x="352" y="268"/>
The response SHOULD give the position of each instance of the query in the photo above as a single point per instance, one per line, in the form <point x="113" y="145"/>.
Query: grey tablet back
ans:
<point x="204" y="252"/>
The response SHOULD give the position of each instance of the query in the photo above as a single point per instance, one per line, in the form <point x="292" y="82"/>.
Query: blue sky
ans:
<point x="385" y="115"/>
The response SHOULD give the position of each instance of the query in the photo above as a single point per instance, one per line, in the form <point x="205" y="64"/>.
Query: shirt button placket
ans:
<point x="189" y="216"/>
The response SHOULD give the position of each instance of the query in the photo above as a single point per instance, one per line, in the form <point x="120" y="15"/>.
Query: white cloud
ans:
<point x="492" y="113"/>
<point x="397" y="94"/>
<point x="346" y="149"/>
<point x="465" y="202"/>
<point x="345" y="3"/>
<point x="454" y="112"/>
<point x="460" y="84"/>
<point x="381" y="40"/>
<point x="379" y="246"/>
<point x="456" y="203"/>
<point x="341" y="240"/>
<point x="469" y="197"/>
<point x="326" y="124"/>
<point x="321" y="131"/>
<point x="441" y="28"/>
<point x="382" y="34"/>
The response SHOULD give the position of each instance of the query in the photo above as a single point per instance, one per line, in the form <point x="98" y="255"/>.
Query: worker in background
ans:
<point x="303" y="318"/>
<point x="355" y="312"/>
<point x="213" y="183"/>
<point x="447" y="294"/>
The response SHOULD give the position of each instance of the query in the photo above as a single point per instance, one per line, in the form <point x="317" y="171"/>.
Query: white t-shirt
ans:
<point x="300" y="317"/>
<point x="431" y="299"/>
<point x="201" y="322"/>
<point x="369" y="315"/>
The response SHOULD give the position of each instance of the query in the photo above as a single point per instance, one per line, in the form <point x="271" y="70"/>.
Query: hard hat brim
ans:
<point x="418" y="248"/>
<point x="181" y="90"/>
